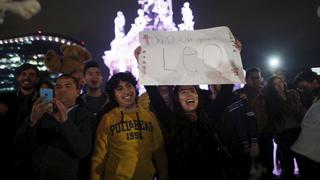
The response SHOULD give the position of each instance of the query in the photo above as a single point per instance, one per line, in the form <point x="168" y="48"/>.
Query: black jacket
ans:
<point x="19" y="107"/>
<point x="234" y="120"/>
<point x="57" y="148"/>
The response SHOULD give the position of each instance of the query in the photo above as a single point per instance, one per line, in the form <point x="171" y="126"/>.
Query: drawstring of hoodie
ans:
<point x="121" y="120"/>
<point x="140" y="128"/>
<point x="139" y="123"/>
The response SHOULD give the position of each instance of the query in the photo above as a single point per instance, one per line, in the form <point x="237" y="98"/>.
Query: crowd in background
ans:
<point x="169" y="132"/>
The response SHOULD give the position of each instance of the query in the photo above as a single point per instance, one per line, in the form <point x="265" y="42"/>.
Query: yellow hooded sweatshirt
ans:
<point x="129" y="145"/>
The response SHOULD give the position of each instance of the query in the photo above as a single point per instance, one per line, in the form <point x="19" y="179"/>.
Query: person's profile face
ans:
<point x="254" y="80"/>
<point x="278" y="85"/>
<point x="305" y="87"/>
<point x="164" y="92"/>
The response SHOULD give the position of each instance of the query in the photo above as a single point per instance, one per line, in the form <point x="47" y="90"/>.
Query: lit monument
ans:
<point x="187" y="18"/>
<point x="152" y="15"/>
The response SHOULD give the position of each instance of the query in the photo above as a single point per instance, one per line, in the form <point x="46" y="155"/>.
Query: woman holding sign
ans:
<point x="192" y="144"/>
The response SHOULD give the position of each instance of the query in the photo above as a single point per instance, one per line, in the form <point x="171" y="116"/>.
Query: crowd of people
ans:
<point x="169" y="132"/>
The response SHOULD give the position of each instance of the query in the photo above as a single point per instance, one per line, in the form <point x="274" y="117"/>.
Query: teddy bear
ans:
<point x="72" y="59"/>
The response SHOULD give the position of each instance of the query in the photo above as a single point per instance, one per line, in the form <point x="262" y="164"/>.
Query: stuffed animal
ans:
<point x="72" y="59"/>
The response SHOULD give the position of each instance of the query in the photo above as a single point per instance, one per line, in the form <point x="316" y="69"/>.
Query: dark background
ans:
<point x="287" y="28"/>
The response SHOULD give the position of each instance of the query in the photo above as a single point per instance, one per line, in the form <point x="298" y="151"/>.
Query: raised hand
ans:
<point x="39" y="107"/>
<point x="61" y="115"/>
<point x="238" y="44"/>
<point x="137" y="52"/>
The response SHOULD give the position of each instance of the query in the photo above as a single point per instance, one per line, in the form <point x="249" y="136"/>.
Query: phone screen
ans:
<point x="47" y="94"/>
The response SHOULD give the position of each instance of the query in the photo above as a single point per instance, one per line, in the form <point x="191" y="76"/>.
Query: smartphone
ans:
<point x="47" y="94"/>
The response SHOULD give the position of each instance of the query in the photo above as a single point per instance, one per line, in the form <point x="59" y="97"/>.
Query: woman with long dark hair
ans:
<point x="285" y="110"/>
<point x="193" y="148"/>
<point x="192" y="143"/>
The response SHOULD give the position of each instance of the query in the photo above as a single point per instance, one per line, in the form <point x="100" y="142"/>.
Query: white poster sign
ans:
<point x="308" y="143"/>
<point x="207" y="56"/>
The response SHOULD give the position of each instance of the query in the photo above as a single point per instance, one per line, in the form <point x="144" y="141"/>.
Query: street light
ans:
<point x="274" y="62"/>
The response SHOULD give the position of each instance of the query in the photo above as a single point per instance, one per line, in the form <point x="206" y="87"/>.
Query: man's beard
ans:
<point x="27" y="87"/>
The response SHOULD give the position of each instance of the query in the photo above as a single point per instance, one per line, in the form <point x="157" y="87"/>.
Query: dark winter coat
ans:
<point x="57" y="148"/>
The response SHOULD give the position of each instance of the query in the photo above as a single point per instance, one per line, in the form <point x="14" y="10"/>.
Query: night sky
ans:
<point x="287" y="28"/>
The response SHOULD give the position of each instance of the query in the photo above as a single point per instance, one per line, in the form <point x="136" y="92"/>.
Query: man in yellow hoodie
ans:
<point x="129" y="143"/>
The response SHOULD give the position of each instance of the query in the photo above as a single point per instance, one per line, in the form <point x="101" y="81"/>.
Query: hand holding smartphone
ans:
<point x="41" y="105"/>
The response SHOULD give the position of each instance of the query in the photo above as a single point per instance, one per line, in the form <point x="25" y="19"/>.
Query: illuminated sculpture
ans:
<point x="187" y="18"/>
<point x="152" y="15"/>
<point x="119" y="23"/>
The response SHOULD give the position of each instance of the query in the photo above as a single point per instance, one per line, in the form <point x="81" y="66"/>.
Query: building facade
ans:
<point x="30" y="48"/>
